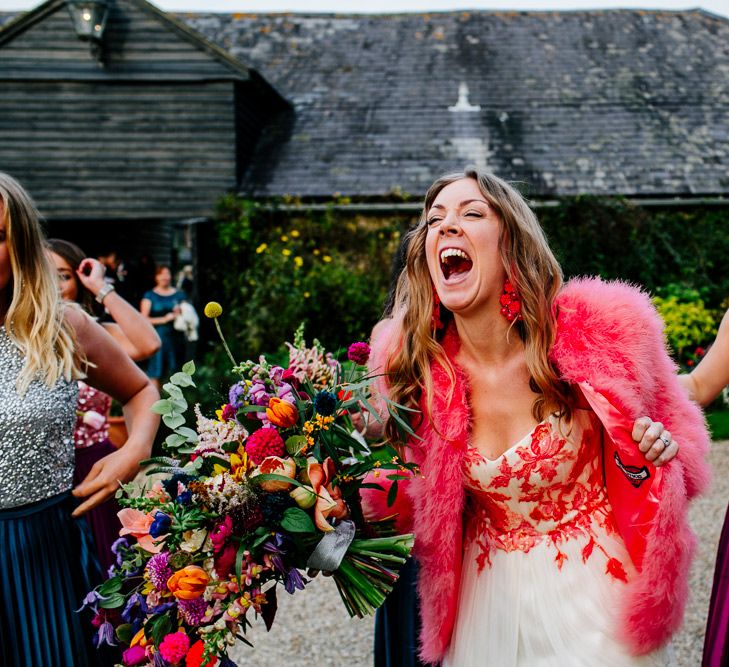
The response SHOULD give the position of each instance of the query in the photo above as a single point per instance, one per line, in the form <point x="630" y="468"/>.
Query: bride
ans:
<point x="548" y="530"/>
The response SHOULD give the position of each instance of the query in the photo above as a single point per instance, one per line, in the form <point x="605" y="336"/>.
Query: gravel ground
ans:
<point x="313" y="629"/>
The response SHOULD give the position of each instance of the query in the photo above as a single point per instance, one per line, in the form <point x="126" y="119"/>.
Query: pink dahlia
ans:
<point x="159" y="570"/>
<point x="174" y="647"/>
<point x="263" y="443"/>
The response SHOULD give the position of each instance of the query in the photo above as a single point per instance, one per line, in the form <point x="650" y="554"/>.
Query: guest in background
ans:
<point x="161" y="305"/>
<point x="81" y="280"/>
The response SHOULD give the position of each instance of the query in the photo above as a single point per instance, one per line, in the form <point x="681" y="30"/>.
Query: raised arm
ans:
<point x="131" y="330"/>
<point x="112" y="371"/>
<point x="712" y="374"/>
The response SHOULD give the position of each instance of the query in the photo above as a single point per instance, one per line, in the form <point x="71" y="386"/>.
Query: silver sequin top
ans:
<point x="36" y="434"/>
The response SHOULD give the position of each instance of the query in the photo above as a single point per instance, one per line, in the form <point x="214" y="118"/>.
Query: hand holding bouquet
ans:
<point x="265" y="493"/>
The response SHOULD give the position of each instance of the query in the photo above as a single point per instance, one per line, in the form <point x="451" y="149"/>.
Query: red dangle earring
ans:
<point x="510" y="302"/>
<point x="435" y="322"/>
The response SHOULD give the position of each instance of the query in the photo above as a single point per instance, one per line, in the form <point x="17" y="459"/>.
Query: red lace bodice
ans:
<point x="548" y="488"/>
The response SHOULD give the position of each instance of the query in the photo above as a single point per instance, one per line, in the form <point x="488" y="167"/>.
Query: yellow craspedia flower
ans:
<point x="213" y="309"/>
<point x="327" y="258"/>
<point x="295" y="233"/>
<point x="261" y="248"/>
<point x="299" y="262"/>
<point x="284" y="238"/>
<point x="285" y="252"/>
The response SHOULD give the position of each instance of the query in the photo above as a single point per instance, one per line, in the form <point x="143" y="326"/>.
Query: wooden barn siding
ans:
<point x="138" y="46"/>
<point x="117" y="150"/>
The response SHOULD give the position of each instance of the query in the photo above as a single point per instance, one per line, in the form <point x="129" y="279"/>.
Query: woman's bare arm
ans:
<point x="131" y="330"/>
<point x="707" y="380"/>
<point x="113" y="372"/>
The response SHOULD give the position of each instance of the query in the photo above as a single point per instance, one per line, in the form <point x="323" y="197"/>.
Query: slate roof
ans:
<point x="602" y="102"/>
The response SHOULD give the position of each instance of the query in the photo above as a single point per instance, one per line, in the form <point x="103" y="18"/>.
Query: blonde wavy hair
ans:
<point x="34" y="321"/>
<point x="530" y="266"/>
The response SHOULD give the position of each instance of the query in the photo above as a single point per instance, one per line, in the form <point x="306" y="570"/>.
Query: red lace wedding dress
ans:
<point x="543" y="563"/>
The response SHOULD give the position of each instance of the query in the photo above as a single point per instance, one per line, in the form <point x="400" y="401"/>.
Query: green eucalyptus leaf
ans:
<point x="188" y="433"/>
<point x="173" y="390"/>
<point x="179" y="405"/>
<point x="173" y="421"/>
<point x="162" y="407"/>
<point x="175" y="440"/>
<point x="182" y="380"/>
<point x="189" y="368"/>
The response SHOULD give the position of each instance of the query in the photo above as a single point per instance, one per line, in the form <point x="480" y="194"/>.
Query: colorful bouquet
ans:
<point x="266" y="493"/>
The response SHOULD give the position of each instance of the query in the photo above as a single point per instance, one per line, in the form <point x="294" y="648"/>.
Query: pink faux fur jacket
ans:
<point x="609" y="336"/>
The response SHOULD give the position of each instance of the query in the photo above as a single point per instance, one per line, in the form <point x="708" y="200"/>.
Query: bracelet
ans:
<point x="104" y="292"/>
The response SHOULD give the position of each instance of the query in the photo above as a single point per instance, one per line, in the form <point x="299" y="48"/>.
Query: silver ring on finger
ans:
<point x="666" y="441"/>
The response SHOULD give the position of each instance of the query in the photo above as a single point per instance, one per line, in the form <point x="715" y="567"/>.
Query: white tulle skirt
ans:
<point x="523" y="610"/>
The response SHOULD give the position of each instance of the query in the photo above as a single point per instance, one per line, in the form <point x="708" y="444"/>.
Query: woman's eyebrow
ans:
<point x="462" y="204"/>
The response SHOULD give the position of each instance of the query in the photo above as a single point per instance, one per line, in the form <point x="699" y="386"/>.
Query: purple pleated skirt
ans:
<point x="102" y="520"/>
<point x="716" y="641"/>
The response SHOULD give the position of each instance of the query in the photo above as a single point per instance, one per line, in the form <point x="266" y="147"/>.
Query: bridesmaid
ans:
<point x="704" y="384"/>
<point x="46" y="562"/>
<point x="81" y="280"/>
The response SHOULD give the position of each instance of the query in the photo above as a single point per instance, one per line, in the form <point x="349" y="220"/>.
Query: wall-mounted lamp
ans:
<point x="89" y="21"/>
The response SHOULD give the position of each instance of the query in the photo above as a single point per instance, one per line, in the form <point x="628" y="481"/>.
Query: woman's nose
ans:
<point x="450" y="226"/>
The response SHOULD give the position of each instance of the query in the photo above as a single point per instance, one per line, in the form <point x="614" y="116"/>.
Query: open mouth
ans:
<point x="454" y="261"/>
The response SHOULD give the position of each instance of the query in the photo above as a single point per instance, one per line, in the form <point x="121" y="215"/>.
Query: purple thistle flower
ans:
<point x="159" y="570"/>
<point x="359" y="353"/>
<point x="193" y="611"/>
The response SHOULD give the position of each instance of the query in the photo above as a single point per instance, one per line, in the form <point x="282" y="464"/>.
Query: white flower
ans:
<point x="194" y="539"/>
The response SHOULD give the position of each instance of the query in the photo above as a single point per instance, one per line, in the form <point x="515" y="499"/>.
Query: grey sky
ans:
<point x="720" y="7"/>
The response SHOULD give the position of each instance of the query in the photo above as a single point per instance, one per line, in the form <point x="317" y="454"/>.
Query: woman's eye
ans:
<point x="474" y="214"/>
<point x="432" y="221"/>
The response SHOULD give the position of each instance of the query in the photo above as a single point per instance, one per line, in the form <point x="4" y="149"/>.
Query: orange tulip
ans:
<point x="281" y="413"/>
<point x="188" y="583"/>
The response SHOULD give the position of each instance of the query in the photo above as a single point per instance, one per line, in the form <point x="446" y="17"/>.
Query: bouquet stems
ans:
<point x="369" y="571"/>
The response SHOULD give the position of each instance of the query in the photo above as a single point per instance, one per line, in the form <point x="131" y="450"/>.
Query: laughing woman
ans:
<point x="548" y="532"/>
<point x="46" y="561"/>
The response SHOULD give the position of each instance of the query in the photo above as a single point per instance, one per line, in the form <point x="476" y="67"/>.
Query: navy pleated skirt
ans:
<point x="46" y="568"/>
<point x="102" y="520"/>
<point x="397" y="623"/>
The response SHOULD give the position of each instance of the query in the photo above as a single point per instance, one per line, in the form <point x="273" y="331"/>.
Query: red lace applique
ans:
<point x="550" y="489"/>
